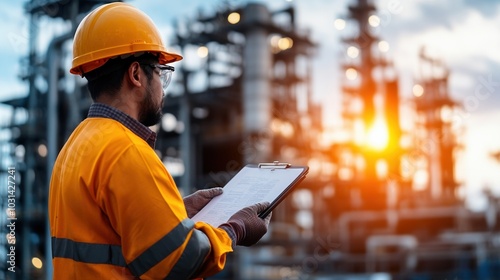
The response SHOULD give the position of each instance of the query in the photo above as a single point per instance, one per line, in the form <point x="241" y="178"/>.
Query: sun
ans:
<point x="377" y="136"/>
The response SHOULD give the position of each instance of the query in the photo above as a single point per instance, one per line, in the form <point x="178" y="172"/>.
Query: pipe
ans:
<point x="53" y="59"/>
<point x="29" y="180"/>
<point x="257" y="105"/>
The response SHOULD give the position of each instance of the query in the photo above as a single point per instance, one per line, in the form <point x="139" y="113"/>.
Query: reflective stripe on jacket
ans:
<point x="115" y="212"/>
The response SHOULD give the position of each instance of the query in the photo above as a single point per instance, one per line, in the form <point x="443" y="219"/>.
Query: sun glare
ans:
<point x="377" y="136"/>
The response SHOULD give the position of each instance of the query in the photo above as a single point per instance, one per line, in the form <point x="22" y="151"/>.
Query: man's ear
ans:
<point x="134" y="74"/>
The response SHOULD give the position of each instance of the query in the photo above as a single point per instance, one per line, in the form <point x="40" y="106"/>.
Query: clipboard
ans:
<point x="265" y="182"/>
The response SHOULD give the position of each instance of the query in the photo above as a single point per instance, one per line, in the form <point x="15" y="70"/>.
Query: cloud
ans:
<point x="488" y="8"/>
<point x="14" y="28"/>
<point x="417" y="16"/>
<point x="482" y="130"/>
<point x="13" y="45"/>
<point x="470" y="56"/>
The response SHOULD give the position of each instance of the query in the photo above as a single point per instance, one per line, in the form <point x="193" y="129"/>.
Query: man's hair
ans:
<point x="108" y="78"/>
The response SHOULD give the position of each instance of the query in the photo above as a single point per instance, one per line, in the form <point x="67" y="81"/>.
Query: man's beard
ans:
<point x="149" y="112"/>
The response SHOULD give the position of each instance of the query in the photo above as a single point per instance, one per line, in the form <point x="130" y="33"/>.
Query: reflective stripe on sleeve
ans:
<point x="87" y="252"/>
<point x="192" y="258"/>
<point x="162" y="248"/>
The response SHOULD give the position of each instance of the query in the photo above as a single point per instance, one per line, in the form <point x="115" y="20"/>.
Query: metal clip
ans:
<point x="274" y="165"/>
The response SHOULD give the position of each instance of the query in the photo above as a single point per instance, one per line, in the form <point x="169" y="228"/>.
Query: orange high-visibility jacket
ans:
<point x="116" y="213"/>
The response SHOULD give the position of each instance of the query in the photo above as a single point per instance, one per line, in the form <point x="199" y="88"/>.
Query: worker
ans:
<point x="115" y="211"/>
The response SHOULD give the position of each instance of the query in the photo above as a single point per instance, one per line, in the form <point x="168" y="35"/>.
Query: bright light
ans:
<point x="446" y="114"/>
<point x="377" y="136"/>
<point x="280" y="43"/>
<point x="302" y="199"/>
<point x="275" y="125"/>
<point x="233" y="18"/>
<point x="11" y="213"/>
<point x="304" y="218"/>
<point x="20" y="151"/>
<point x="284" y="128"/>
<point x="37" y="262"/>
<point x="202" y="51"/>
<point x="168" y="122"/>
<point x="287" y="129"/>
<point x="382" y="169"/>
<point x="345" y="174"/>
<point x="352" y="52"/>
<point x="274" y="40"/>
<point x="420" y="180"/>
<point x="328" y="169"/>
<point x="339" y="24"/>
<point x="285" y="43"/>
<point x="351" y="74"/>
<point x="42" y="150"/>
<point x="418" y="90"/>
<point x="175" y="166"/>
<point x="314" y="166"/>
<point x="383" y="46"/>
<point x="374" y="20"/>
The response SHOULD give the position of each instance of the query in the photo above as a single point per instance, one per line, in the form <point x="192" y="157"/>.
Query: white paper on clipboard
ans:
<point x="251" y="185"/>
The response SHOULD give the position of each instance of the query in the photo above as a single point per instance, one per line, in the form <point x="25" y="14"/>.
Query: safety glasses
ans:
<point x="165" y="72"/>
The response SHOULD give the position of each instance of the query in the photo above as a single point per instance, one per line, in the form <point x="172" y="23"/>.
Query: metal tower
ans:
<point x="371" y="153"/>
<point x="435" y="108"/>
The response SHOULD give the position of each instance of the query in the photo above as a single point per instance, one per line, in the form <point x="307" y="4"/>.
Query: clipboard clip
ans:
<point x="274" y="165"/>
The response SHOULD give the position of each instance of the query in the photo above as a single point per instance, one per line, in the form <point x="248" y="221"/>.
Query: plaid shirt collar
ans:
<point x="99" y="110"/>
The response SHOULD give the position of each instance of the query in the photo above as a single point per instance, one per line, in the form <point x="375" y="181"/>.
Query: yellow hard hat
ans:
<point x="112" y="30"/>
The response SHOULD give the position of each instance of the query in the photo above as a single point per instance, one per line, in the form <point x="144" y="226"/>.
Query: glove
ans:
<point x="245" y="227"/>
<point x="196" y="201"/>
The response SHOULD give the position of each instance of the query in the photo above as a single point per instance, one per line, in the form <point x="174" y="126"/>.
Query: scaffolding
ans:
<point x="254" y="105"/>
<point x="255" y="101"/>
<point x="40" y="123"/>
<point x="381" y="223"/>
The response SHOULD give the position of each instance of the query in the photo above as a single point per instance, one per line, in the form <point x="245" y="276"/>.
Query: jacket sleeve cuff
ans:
<point x="230" y="231"/>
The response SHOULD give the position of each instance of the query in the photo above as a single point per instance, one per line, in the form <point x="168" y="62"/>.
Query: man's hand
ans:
<point x="245" y="227"/>
<point x="196" y="201"/>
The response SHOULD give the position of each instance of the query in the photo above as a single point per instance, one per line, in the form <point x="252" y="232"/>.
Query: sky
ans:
<point x="463" y="33"/>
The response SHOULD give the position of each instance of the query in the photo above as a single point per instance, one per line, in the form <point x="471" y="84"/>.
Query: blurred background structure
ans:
<point x="382" y="200"/>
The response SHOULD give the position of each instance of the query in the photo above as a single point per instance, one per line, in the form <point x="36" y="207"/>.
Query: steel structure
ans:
<point x="41" y="122"/>
<point x="375" y="223"/>
<point x="381" y="223"/>
<point x="253" y="104"/>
